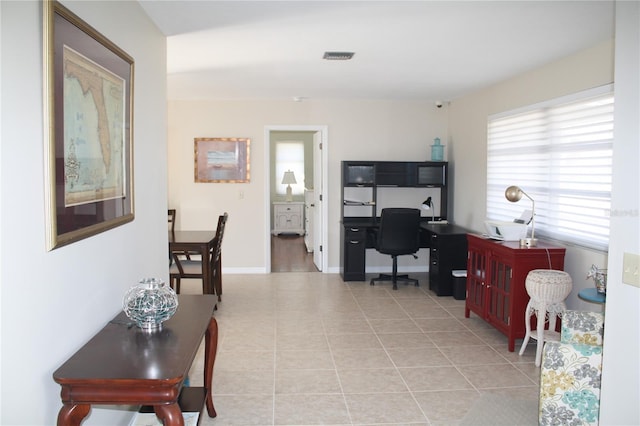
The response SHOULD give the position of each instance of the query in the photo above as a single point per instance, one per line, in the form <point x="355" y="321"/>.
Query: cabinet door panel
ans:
<point x="496" y="275"/>
<point x="354" y="254"/>
<point x="476" y="291"/>
<point x="499" y="290"/>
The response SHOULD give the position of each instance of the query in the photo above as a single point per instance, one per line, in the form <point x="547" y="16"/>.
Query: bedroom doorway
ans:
<point x="282" y="154"/>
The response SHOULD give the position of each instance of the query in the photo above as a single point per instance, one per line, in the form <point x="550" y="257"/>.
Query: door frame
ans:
<point x="324" y="212"/>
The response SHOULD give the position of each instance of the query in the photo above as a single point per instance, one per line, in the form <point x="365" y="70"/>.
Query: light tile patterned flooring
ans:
<point x="309" y="349"/>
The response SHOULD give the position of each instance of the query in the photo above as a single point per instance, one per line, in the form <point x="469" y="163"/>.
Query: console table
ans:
<point x="496" y="274"/>
<point x="123" y="364"/>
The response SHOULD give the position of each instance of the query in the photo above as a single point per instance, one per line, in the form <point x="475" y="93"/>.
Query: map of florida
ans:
<point x="91" y="82"/>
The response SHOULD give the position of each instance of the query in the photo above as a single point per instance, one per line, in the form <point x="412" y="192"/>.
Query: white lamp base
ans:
<point x="528" y="242"/>
<point x="289" y="196"/>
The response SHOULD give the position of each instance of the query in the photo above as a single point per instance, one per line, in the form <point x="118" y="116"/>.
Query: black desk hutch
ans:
<point x="362" y="181"/>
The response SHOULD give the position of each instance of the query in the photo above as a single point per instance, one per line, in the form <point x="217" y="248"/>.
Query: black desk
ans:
<point x="448" y="252"/>
<point x="447" y="243"/>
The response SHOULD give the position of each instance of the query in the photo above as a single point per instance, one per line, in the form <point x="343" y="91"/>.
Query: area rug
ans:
<point x="495" y="410"/>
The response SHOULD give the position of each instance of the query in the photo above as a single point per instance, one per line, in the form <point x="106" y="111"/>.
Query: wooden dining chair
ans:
<point x="217" y="258"/>
<point x="188" y="268"/>
<point x="171" y="219"/>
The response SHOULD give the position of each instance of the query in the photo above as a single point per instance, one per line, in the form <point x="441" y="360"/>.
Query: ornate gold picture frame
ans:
<point x="89" y="129"/>
<point x="222" y="160"/>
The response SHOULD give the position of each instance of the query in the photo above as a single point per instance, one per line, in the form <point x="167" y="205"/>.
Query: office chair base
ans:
<point x="401" y="278"/>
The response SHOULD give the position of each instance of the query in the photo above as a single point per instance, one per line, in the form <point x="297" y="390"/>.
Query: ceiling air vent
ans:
<point x="338" y="56"/>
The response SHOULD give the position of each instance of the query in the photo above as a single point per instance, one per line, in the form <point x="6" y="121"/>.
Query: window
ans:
<point x="560" y="153"/>
<point x="289" y="156"/>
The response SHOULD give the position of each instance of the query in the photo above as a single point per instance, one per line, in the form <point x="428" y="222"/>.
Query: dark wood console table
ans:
<point x="123" y="364"/>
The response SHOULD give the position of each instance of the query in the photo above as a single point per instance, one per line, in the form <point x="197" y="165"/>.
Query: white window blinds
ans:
<point x="560" y="153"/>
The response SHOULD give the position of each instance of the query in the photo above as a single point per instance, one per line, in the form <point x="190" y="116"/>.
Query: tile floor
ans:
<point x="309" y="349"/>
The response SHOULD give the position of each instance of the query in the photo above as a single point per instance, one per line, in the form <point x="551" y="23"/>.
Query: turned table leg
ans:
<point x="210" y="349"/>
<point x="170" y="415"/>
<point x="73" y="414"/>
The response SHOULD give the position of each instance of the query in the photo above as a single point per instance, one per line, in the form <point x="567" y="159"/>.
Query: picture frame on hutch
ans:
<point x="222" y="160"/>
<point x="88" y="112"/>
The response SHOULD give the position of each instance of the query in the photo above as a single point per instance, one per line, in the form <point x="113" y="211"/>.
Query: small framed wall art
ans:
<point x="222" y="160"/>
<point x="88" y="121"/>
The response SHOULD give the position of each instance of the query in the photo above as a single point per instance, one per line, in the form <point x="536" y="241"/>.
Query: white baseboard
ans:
<point x="332" y="270"/>
<point x="237" y="271"/>
<point x="401" y="270"/>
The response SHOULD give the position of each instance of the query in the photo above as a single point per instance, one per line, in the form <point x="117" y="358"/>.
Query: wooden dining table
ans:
<point x="202" y="243"/>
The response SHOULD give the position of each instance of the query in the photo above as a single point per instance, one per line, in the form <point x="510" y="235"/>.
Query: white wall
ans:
<point x="358" y="130"/>
<point x="468" y="129"/>
<point x="53" y="302"/>
<point x="621" y="369"/>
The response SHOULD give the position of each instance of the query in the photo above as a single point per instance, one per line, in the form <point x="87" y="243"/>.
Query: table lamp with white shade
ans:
<point x="288" y="179"/>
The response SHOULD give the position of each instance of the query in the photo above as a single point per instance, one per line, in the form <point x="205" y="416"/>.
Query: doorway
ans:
<point x="289" y="254"/>
<point x="314" y="178"/>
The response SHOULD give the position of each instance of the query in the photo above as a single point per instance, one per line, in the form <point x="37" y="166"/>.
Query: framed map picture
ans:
<point x="222" y="160"/>
<point x="88" y="105"/>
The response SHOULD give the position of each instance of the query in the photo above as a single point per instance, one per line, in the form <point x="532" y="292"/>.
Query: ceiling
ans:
<point x="409" y="50"/>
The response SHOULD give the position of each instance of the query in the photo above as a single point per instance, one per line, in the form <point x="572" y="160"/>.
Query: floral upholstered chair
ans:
<point x="571" y="371"/>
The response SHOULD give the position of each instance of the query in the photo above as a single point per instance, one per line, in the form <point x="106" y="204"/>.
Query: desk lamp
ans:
<point x="514" y="194"/>
<point x="288" y="179"/>
<point x="428" y="205"/>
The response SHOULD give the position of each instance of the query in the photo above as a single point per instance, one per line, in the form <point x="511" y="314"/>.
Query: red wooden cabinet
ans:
<point x="496" y="271"/>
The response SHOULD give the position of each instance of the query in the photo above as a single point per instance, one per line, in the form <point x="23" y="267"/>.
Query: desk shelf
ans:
<point x="363" y="183"/>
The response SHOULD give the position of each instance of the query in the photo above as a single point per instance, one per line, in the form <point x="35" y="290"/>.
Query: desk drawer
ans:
<point x="354" y="248"/>
<point x="355" y="233"/>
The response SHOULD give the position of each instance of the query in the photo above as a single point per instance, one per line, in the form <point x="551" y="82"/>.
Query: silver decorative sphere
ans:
<point x="150" y="303"/>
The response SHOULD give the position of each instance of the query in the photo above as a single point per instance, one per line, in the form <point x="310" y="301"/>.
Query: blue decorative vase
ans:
<point x="150" y="303"/>
<point x="437" y="150"/>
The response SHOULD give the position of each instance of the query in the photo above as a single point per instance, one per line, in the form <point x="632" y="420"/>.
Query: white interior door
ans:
<point x="317" y="201"/>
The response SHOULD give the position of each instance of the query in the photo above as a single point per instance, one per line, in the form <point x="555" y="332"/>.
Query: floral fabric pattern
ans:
<point x="571" y="372"/>
<point x="582" y="327"/>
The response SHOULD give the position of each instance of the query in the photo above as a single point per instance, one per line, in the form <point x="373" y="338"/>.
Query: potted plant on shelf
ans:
<point x="599" y="278"/>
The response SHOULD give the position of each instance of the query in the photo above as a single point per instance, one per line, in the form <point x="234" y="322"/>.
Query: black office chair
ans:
<point x="398" y="234"/>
